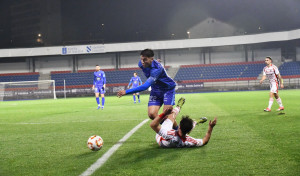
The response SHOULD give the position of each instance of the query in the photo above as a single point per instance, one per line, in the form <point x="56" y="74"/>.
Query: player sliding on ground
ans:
<point x="163" y="87"/>
<point x="167" y="137"/>
<point x="272" y="73"/>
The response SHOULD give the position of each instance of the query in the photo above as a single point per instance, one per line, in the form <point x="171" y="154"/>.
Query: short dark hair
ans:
<point x="186" y="124"/>
<point x="269" y="58"/>
<point x="97" y="65"/>
<point x="147" y="53"/>
<point x="135" y="73"/>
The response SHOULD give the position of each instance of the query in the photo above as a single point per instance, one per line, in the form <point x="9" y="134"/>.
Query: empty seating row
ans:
<point x="219" y="71"/>
<point x="86" y="77"/>
<point x="290" y="69"/>
<point x="13" y="77"/>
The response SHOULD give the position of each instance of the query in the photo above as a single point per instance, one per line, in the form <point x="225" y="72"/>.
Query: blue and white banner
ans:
<point x="82" y="49"/>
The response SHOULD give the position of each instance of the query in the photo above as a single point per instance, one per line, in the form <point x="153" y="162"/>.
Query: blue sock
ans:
<point x="97" y="99"/>
<point x="138" y="96"/>
<point x="103" y="101"/>
<point x="134" y="98"/>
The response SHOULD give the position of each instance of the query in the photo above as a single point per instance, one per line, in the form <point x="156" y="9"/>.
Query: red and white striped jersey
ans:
<point x="171" y="138"/>
<point x="271" y="73"/>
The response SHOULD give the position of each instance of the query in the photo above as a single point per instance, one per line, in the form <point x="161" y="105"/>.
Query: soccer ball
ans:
<point x="95" y="143"/>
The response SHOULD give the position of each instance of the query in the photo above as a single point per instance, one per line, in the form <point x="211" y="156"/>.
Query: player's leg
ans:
<point x="155" y="102"/>
<point x="153" y="111"/>
<point x="134" y="100"/>
<point x="103" y="100"/>
<point x="138" y="95"/>
<point x="169" y="100"/>
<point x="102" y="92"/>
<point x="278" y="99"/>
<point x="165" y="126"/>
<point x="97" y="97"/>
<point x="271" y="94"/>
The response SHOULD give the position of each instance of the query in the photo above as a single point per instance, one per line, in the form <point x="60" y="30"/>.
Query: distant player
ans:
<point x="168" y="137"/>
<point x="99" y="85"/>
<point x="136" y="81"/>
<point x="272" y="73"/>
<point x="163" y="87"/>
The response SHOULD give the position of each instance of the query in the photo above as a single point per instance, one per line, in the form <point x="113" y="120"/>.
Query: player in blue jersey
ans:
<point x="162" y="86"/>
<point x="136" y="81"/>
<point x="99" y="85"/>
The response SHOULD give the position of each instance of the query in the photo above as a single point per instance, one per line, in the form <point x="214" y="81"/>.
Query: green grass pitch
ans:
<point x="48" y="137"/>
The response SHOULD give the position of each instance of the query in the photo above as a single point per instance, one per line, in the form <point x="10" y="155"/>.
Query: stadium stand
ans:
<point x="290" y="69"/>
<point x="219" y="72"/>
<point x="13" y="77"/>
<point x="84" y="78"/>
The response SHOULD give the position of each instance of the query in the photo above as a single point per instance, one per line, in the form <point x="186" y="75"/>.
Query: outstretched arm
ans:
<point x="143" y="87"/>
<point x="209" y="131"/>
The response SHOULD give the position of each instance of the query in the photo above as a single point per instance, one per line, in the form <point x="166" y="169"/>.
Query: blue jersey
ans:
<point x="158" y="79"/>
<point x="158" y="76"/>
<point x="99" y="78"/>
<point x="136" y="81"/>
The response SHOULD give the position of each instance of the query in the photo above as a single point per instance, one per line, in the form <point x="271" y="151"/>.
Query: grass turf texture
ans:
<point x="48" y="137"/>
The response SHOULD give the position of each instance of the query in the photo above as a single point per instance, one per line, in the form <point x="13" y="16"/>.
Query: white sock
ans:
<point x="194" y="124"/>
<point x="176" y="110"/>
<point x="270" y="103"/>
<point x="279" y="102"/>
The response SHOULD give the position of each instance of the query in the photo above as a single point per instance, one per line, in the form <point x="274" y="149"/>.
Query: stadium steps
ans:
<point x="172" y="72"/>
<point x="44" y="76"/>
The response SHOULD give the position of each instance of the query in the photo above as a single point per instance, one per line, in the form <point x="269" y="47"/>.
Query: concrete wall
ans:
<point x="298" y="53"/>
<point x="16" y="67"/>
<point x="227" y="57"/>
<point x="53" y="63"/>
<point x="129" y="59"/>
<point x="105" y="61"/>
<point x="259" y="55"/>
<point x="175" y="58"/>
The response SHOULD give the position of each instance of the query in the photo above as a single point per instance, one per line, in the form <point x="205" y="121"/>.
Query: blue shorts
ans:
<point x="99" y="89"/>
<point x="158" y="97"/>
<point x="134" y="86"/>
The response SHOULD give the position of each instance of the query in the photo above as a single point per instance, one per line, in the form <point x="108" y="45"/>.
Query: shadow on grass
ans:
<point x="86" y="154"/>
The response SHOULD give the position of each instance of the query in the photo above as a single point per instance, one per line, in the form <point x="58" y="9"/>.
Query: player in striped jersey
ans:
<point x="272" y="73"/>
<point x="167" y="137"/>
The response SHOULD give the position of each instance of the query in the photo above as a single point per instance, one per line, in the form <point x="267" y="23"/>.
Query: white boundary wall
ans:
<point x="172" y="57"/>
<point x="156" y="45"/>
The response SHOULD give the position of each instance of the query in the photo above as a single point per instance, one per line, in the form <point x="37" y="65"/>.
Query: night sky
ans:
<point x="146" y="20"/>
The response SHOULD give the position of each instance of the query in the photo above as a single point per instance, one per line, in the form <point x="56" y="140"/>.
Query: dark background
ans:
<point x="67" y="22"/>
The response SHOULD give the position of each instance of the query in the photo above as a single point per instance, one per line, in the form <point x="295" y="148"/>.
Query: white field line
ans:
<point x="114" y="148"/>
<point x="81" y="121"/>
